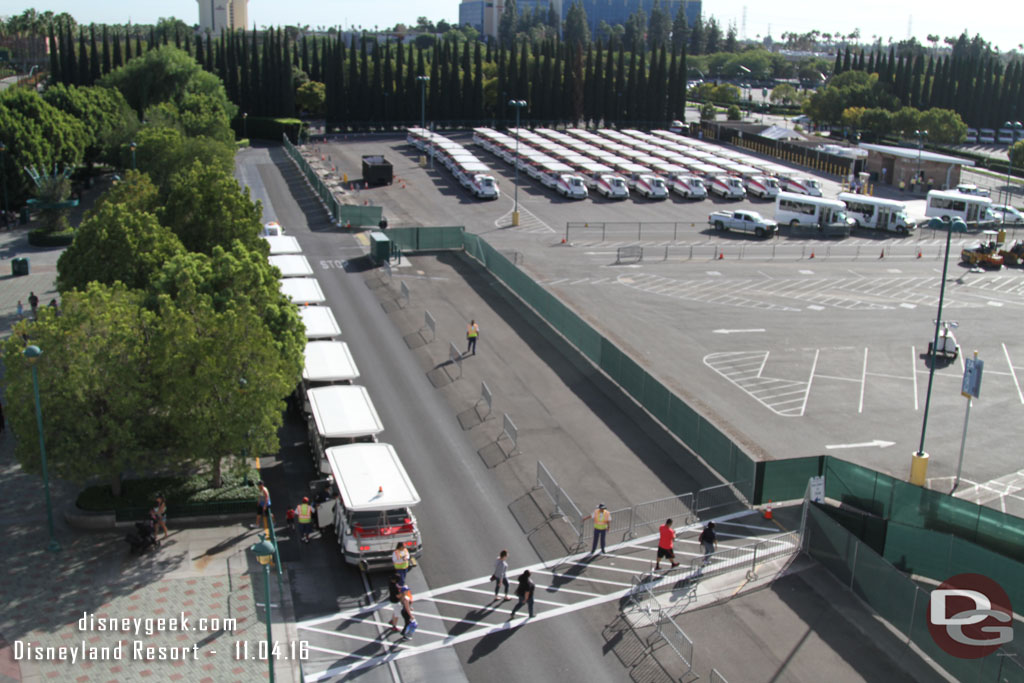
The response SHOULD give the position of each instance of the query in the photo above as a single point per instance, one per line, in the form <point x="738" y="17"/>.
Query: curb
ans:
<point x="100" y="521"/>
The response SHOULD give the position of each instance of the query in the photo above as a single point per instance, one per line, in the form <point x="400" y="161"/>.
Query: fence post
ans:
<point x="430" y="323"/>
<point x="405" y="291"/>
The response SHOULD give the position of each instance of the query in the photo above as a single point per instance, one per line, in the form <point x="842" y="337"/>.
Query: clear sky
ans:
<point x="873" y="17"/>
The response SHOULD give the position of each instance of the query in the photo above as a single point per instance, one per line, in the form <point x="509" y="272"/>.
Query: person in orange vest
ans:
<point x="400" y="560"/>
<point x="304" y="511"/>
<point x="602" y="518"/>
<point x="472" y="332"/>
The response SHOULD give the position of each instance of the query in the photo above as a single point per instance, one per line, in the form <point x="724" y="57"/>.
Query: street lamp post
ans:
<point x="32" y="353"/>
<point x="264" y="551"/>
<point x="1015" y="126"/>
<point x="423" y="109"/>
<point x="245" y="125"/>
<point x="919" y="461"/>
<point x="920" y="135"/>
<point x="517" y="104"/>
<point x="3" y="174"/>
<point x="132" y="148"/>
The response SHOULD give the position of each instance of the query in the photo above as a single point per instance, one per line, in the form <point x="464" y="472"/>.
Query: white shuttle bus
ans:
<point x="340" y="414"/>
<point x="877" y="214"/>
<point x="950" y="204"/>
<point x="795" y="209"/>
<point x="319" y="322"/>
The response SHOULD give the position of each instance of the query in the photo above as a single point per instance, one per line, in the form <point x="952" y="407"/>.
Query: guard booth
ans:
<point x="380" y="247"/>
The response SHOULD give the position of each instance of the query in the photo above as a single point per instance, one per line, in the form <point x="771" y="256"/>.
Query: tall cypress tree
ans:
<point x="316" y="69"/>
<point x="837" y="68"/>
<point x="83" y="59"/>
<point x="200" y="54"/>
<point x="608" y="113"/>
<point x="590" y="83"/>
<point x="105" y="62"/>
<point x="55" y="71"/>
<point x="94" y="57"/>
<point x="478" y="82"/>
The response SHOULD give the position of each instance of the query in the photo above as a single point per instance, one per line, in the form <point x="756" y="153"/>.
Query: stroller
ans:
<point x="143" y="538"/>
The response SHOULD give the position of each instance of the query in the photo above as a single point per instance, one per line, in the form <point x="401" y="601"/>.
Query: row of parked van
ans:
<point x="472" y="174"/>
<point x="618" y="163"/>
<point x="369" y="496"/>
<point x="990" y="136"/>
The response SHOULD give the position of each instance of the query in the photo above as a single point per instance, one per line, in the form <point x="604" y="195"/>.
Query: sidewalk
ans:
<point x="197" y="573"/>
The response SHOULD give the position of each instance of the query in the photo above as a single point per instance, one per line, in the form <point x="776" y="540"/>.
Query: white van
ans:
<point x="302" y="290"/>
<point x="291" y="265"/>
<point x="272" y="229"/>
<point x="972" y="136"/>
<point x="803" y="185"/>
<point x="283" y="244"/>
<point x="969" y="208"/>
<point x="728" y="187"/>
<point x="688" y="186"/>
<point x="986" y="136"/>
<point x="877" y="214"/>
<point x="795" y="209"/>
<point x="373" y="502"/>
<point x="340" y="414"/>
<point x="763" y="186"/>
<point x="319" y="322"/>
<point x="326" y="362"/>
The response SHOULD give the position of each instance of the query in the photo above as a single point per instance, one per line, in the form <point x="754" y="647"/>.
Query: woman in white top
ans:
<point x="500" y="575"/>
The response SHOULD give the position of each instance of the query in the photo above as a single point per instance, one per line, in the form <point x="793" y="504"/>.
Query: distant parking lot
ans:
<point x="796" y="346"/>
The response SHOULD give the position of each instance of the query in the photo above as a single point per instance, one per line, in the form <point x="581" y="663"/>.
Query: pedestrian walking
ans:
<point x="903" y="185"/>
<point x="472" y="332"/>
<point x="602" y="518"/>
<point x="405" y="600"/>
<point x="400" y="560"/>
<point x="524" y="591"/>
<point x="21" y="310"/>
<point x="33" y="302"/>
<point x="395" y="598"/>
<point x="666" y="544"/>
<point x="709" y="541"/>
<point x="262" y="504"/>
<point x="159" y="515"/>
<point x="500" y="574"/>
<point x="304" y="511"/>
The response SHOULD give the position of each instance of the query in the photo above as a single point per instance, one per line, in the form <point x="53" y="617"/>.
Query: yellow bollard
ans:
<point x="918" y="469"/>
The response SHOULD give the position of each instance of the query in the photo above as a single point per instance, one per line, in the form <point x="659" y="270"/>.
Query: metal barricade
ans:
<point x="431" y="324"/>
<point x="635" y="254"/>
<point x="455" y="356"/>
<point x="647" y="517"/>
<point x="564" y="507"/>
<point x="715" y="496"/>
<point x="621" y="522"/>
<point x="680" y="643"/>
<point x="716" y="677"/>
<point x="508" y="429"/>
<point x="404" y="289"/>
<point x="774" y="548"/>
<point x="486" y="397"/>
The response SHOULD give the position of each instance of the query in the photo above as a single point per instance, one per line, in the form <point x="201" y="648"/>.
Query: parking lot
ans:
<point x="796" y="346"/>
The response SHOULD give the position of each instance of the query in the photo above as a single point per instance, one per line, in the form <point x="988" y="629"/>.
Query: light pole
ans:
<point x="3" y="174"/>
<point x="1015" y="126"/>
<point x="517" y="104"/>
<point x="132" y="148"/>
<point x="32" y="353"/>
<point x="423" y="109"/>
<point x="264" y="551"/>
<point x="245" y="125"/>
<point x="919" y="461"/>
<point x="920" y="135"/>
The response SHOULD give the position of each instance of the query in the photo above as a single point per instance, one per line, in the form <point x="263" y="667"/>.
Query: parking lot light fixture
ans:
<point x="517" y="104"/>
<point x="32" y="353"/>
<point x="264" y="552"/>
<point x="920" y="135"/>
<point x="919" y="464"/>
<point x="1017" y="127"/>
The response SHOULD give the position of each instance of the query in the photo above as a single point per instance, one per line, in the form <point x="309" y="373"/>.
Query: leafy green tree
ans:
<point x="311" y="97"/>
<point x="906" y="121"/>
<point x="725" y="93"/>
<point x="784" y="93"/>
<point x="206" y="208"/>
<point x="99" y="396"/>
<point x="852" y="116"/>
<point x="108" y="120"/>
<point x="135" y="191"/>
<point x="116" y="243"/>
<point x="708" y="112"/>
<point x="877" y="122"/>
<point x="162" y="150"/>
<point x="733" y="113"/>
<point x="166" y="74"/>
<point x="195" y="114"/>
<point x="37" y="135"/>
<point x="943" y="126"/>
<point x="1017" y="154"/>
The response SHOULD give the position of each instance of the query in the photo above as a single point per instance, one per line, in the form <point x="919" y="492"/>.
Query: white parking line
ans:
<point x="809" y="380"/>
<point x="1013" y="374"/>
<point x="863" y="382"/>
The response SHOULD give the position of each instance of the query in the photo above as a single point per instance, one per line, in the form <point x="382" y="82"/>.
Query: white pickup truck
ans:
<point x="743" y="221"/>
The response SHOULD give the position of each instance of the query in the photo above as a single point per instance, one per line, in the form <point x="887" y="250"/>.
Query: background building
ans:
<point x="217" y="15"/>
<point x="485" y="15"/>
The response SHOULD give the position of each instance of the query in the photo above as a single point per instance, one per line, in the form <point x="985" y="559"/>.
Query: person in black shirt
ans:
<point x="709" y="541"/>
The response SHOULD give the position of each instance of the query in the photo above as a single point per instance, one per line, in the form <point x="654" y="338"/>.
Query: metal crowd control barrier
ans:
<point x="751" y="554"/>
<point x="629" y="253"/>
<point x="404" y="289"/>
<point x="716" y="677"/>
<point x="508" y="429"/>
<point x="487" y="397"/>
<point x="431" y="324"/>
<point x="715" y="496"/>
<point x="647" y="517"/>
<point x="564" y="507"/>
<point x="387" y="270"/>
<point x="665" y="626"/>
<point x="455" y="356"/>
<point x="671" y="633"/>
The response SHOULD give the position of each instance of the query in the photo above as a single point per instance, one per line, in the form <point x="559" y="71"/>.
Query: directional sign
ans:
<point x="971" y="386"/>
<point x="817" y="486"/>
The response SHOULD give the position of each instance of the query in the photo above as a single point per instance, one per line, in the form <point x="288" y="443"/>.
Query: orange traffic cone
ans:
<point x="812" y="254"/>
<point x="720" y="256"/>
<point x="882" y="255"/>
<point x="380" y="489"/>
<point x="918" y="253"/>
<point x="768" y="510"/>
<point x="366" y="186"/>
<point x="563" y="240"/>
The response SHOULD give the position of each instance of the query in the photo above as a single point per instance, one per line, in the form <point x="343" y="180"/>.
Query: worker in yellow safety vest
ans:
<point x="472" y="332"/>
<point x="602" y="519"/>
<point x="400" y="560"/>
<point x="304" y="511"/>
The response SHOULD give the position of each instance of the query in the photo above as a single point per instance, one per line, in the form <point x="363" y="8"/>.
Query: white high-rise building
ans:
<point x="217" y="15"/>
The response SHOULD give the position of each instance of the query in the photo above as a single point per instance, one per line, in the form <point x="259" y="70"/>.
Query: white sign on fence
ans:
<point x="817" y="486"/>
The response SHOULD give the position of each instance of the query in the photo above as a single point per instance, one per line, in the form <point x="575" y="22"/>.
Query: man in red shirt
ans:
<point x="666" y="545"/>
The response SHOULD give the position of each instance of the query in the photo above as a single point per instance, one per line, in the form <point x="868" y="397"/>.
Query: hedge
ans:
<point x="177" y="491"/>
<point x="38" y="237"/>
